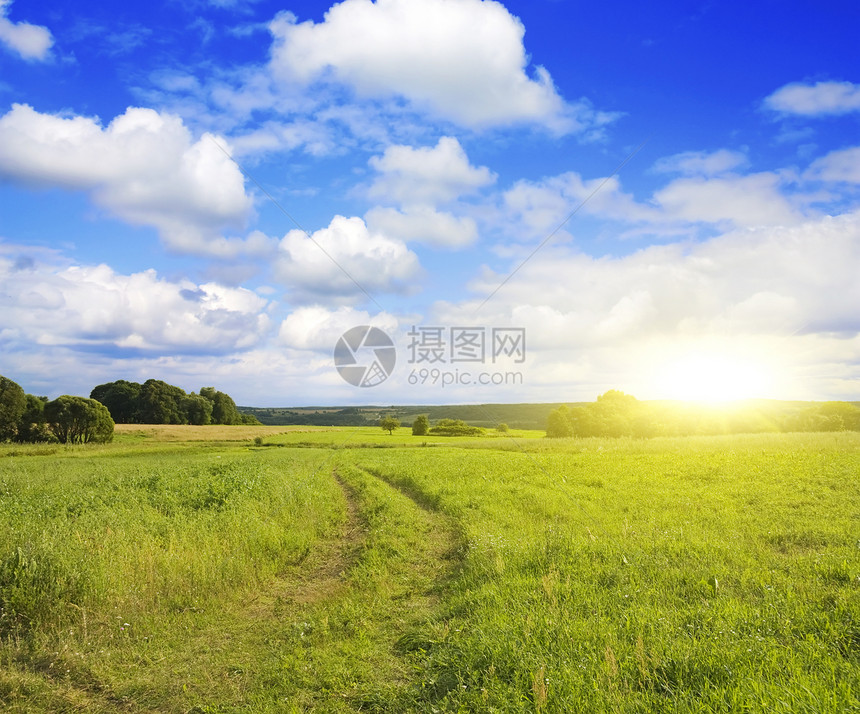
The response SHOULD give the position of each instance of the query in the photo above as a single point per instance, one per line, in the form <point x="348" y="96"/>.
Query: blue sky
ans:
<point x="212" y="193"/>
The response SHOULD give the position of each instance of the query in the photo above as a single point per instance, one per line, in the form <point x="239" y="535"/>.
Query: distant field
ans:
<point x="213" y="432"/>
<point x="190" y="569"/>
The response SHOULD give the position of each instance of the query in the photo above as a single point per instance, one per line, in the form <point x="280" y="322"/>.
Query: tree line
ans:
<point x="27" y="418"/>
<point x="156" y="402"/>
<point x="617" y="414"/>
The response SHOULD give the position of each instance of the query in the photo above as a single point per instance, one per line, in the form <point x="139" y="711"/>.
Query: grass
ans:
<point x="347" y="570"/>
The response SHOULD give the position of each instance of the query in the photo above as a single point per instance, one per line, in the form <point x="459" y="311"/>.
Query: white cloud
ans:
<point x="318" y="328"/>
<point x="143" y="167"/>
<point x="32" y="42"/>
<point x="819" y="99"/>
<point x="427" y="175"/>
<point x="751" y="200"/>
<point x="463" y="61"/>
<point x="771" y="280"/>
<point x="93" y="308"/>
<point x="701" y="162"/>
<point x="315" y="138"/>
<point x="842" y="165"/>
<point x="418" y="179"/>
<point x="424" y="224"/>
<point x="539" y="207"/>
<point x="343" y="261"/>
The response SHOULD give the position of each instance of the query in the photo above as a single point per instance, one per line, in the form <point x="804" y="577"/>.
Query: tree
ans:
<point x="502" y="428"/>
<point x="32" y="427"/>
<point x="613" y="413"/>
<point x="161" y="403"/>
<point x="224" y="409"/>
<point x="78" y="420"/>
<point x="122" y="399"/>
<point x="421" y="425"/>
<point x="389" y="424"/>
<point x="13" y="402"/>
<point x="559" y="424"/>
<point x="197" y="409"/>
<point x="840" y="416"/>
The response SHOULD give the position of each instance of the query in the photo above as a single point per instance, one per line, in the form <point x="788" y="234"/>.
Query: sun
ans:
<point x="718" y="376"/>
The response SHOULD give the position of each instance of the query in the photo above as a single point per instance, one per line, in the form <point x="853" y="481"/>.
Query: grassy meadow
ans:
<point x="298" y="569"/>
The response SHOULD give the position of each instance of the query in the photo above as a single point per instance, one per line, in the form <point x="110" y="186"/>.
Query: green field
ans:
<point x="346" y="570"/>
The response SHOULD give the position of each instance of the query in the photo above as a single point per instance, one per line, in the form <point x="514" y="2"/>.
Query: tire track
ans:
<point x="329" y="577"/>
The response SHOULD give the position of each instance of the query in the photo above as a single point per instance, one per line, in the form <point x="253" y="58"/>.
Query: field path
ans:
<point x="347" y="628"/>
<point x="324" y="574"/>
<point x="373" y="609"/>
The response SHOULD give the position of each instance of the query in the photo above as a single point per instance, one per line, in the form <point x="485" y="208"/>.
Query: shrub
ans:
<point x="421" y="425"/>
<point x="78" y="420"/>
<point x="455" y="427"/>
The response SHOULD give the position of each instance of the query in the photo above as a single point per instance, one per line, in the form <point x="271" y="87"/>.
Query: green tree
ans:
<point x="614" y="413"/>
<point x="421" y="425"/>
<point x="841" y="416"/>
<point x="78" y="420"/>
<point x="559" y="424"/>
<point x="122" y="399"/>
<point x="224" y="409"/>
<point x="389" y="424"/>
<point x="161" y="403"/>
<point x="502" y="428"/>
<point x="32" y="427"/>
<point x="13" y="402"/>
<point x="198" y="410"/>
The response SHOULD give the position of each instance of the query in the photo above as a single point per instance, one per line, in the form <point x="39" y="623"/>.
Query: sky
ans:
<point x="533" y="201"/>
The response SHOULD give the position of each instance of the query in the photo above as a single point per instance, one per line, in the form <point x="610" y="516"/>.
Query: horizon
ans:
<point x="346" y="202"/>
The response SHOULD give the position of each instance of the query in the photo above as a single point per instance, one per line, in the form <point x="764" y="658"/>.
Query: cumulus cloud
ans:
<point x="318" y="328"/>
<point x="345" y="261"/>
<point x="842" y="165"/>
<point x="463" y="61"/>
<point x="143" y="167"/>
<point x="424" y="224"/>
<point x="428" y="174"/>
<point x="538" y="207"/>
<point x="819" y="99"/>
<point x="751" y="200"/>
<point x="93" y="308"/>
<point x="418" y="180"/>
<point x="31" y="42"/>
<point x="767" y="280"/>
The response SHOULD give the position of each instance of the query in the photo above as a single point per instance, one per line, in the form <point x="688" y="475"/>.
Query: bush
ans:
<point x="421" y="425"/>
<point x="455" y="427"/>
<point x="78" y="420"/>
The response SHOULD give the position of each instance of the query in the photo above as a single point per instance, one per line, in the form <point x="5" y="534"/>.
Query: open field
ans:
<point x="190" y="569"/>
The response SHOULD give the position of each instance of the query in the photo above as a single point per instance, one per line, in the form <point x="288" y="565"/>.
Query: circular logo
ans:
<point x="365" y="356"/>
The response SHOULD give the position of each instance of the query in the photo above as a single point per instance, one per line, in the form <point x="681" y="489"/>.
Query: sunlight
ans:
<point x="714" y="377"/>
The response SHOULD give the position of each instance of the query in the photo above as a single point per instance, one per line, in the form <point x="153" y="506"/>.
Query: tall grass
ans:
<point x="682" y="575"/>
<point x="122" y="539"/>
